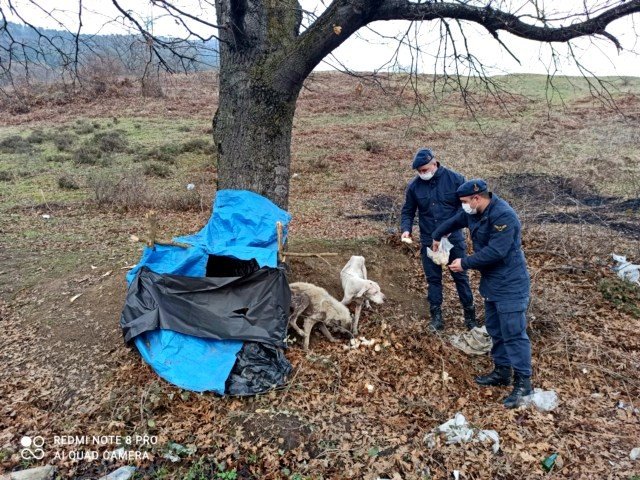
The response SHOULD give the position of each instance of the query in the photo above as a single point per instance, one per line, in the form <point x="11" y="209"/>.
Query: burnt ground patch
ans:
<point x="602" y="219"/>
<point x="383" y="208"/>
<point x="557" y="194"/>
<point x="565" y="200"/>
<point x="534" y="188"/>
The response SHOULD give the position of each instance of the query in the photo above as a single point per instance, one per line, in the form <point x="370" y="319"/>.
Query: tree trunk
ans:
<point x="252" y="132"/>
<point x="258" y="93"/>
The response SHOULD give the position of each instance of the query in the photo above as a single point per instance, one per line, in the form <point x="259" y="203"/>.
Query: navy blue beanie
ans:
<point x="422" y="157"/>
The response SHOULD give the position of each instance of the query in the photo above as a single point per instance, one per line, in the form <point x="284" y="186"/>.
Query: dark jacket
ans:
<point x="436" y="201"/>
<point x="497" y="250"/>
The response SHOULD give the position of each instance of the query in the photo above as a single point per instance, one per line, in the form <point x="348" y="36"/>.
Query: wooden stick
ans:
<point x="160" y="242"/>
<point x="281" y="257"/>
<point x="322" y="254"/>
<point x="153" y="228"/>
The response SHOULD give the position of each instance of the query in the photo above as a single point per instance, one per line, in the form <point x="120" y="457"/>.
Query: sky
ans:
<point x="370" y="49"/>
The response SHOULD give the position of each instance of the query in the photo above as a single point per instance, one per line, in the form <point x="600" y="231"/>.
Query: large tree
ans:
<point x="267" y="52"/>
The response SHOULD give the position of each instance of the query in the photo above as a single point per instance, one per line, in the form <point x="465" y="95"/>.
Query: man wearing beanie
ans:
<point x="433" y="193"/>
<point x="504" y="282"/>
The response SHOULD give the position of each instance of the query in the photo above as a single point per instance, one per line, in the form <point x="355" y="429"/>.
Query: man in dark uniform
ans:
<point x="504" y="283"/>
<point x="433" y="194"/>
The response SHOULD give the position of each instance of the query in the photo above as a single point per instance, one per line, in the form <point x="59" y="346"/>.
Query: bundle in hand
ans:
<point x="441" y="257"/>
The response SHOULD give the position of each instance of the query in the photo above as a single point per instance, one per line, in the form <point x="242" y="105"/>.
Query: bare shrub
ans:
<point x="15" y="144"/>
<point x="111" y="141"/>
<point x="38" y="136"/>
<point x="128" y="192"/>
<point x="155" y="169"/>
<point x="198" y="145"/>
<point x="64" y="141"/>
<point x="164" y="153"/>
<point x="100" y="74"/>
<point x="151" y="87"/>
<point x="372" y="146"/>
<point x="83" y="128"/>
<point x="183" y="201"/>
<point x="87" y="154"/>
<point x="68" y="182"/>
<point x="57" y="157"/>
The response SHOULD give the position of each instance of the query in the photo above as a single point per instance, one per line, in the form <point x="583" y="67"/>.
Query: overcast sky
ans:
<point x="370" y="50"/>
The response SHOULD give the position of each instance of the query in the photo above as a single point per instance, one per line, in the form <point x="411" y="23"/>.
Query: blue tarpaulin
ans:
<point x="242" y="226"/>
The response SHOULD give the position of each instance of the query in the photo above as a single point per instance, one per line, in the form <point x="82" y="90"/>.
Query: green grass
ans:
<point x="34" y="160"/>
<point x="555" y="89"/>
<point x="624" y="295"/>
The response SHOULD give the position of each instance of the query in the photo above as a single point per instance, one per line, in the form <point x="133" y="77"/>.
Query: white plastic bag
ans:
<point x="441" y="257"/>
<point x="543" y="400"/>
<point x="458" y="430"/>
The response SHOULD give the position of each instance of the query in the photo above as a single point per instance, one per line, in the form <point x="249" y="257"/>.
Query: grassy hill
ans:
<point x="78" y="176"/>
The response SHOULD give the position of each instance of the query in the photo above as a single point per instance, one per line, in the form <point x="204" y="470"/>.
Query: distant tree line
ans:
<point x="38" y="54"/>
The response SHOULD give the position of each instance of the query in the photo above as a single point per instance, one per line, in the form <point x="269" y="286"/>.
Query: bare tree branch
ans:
<point x="494" y="20"/>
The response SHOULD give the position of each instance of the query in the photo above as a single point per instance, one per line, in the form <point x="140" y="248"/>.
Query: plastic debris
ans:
<point x="190" y="186"/>
<point x="549" y="462"/>
<point x="543" y="400"/>
<point x="635" y="454"/>
<point x="174" y="451"/>
<point x="474" y="342"/>
<point x="626" y="270"/>
<point x="441" y="257"/>
<point x="458" y="430"/>
<point x="38" y="473"/>
<point x="46" y="216"/>
<point x="406" y="240"/>
<point x="123" y="473"/>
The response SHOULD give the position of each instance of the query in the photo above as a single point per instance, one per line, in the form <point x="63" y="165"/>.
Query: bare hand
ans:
<point x="405" y="234"/>
<point x="435" y="245"/>
<point x="456" y="265"/>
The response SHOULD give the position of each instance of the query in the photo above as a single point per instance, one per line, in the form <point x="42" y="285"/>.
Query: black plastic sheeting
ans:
<point x="253" y="307"/>
<point x="259" y="368"/>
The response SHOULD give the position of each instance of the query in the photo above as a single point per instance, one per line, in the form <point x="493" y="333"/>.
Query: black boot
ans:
<point x="470" y="317"/>
<point x="500" y="377"/>
<point x="521" y="388"/>
<point x="437" y="324"/>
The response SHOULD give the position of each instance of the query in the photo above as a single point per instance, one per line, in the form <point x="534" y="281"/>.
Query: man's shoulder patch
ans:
<point x="500" y="227"/>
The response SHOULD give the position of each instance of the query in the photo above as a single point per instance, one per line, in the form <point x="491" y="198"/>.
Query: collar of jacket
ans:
<point x="492" y="202"/>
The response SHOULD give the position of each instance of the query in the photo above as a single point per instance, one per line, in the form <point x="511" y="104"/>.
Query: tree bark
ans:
<point x="253" y="123"/>
<point x="252" y="132"/>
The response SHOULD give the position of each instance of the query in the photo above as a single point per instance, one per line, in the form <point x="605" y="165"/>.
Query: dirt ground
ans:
<point x="65" y="370"/>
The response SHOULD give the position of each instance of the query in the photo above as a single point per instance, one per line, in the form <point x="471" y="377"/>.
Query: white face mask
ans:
<point x="467" y="208"/>
<point x="426" y="176"/>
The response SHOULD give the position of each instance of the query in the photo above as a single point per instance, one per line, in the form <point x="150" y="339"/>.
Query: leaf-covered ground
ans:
<point x="572" y="172"/>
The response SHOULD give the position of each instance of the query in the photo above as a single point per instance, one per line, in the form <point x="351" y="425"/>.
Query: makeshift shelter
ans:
<point x="213" y="316"/>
